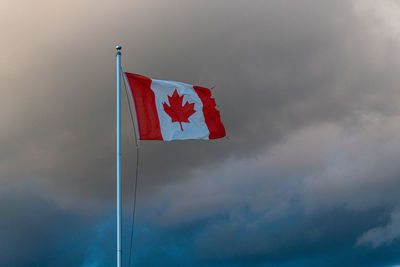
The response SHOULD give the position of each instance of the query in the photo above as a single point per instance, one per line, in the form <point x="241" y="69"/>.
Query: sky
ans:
<point x="308" y="91"/>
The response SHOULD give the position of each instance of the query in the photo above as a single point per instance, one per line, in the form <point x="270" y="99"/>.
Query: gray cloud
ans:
<point x="342" y="168"/>
<point x="308" y="92"/>
<point x="271" y="61"/>
<point x="383" y="234"/>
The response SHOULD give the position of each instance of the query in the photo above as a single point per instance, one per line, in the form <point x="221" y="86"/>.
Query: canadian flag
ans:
<point x="168" y="110"/>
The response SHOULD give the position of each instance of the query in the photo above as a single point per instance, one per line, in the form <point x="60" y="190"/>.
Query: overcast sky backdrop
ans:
<point x="309" y="92"/>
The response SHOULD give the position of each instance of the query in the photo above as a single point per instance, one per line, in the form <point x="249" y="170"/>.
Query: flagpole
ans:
<point x="119" y="243"/>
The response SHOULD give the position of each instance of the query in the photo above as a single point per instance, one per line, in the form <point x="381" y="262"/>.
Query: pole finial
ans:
<point x="118" y="47"/>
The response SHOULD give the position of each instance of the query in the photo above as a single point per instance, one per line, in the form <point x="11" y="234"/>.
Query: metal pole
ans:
<point x="119" y="243"/>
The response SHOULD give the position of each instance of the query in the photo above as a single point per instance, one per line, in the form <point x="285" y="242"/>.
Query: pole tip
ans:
<point x="118" y="47"/>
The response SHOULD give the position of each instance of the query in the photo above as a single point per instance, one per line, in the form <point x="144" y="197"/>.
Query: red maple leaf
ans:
<point x="176" y="111"/>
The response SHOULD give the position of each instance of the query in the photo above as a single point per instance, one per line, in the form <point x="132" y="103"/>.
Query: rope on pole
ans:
<point x="136" y="175"/>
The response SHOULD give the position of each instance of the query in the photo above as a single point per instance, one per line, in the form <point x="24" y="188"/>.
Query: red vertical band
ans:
<point x="145" y="105"/>
<point x="211" y="114"/>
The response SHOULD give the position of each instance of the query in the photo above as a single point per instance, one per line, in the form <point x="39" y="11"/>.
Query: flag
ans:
<point x="169" y="110"/>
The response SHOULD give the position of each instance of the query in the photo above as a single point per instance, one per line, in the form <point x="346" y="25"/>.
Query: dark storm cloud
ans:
<point x="36" y="232"/>
<point x="277" y="66"/>
<point x="322" y="210"/>
<point x="308" y="92"/>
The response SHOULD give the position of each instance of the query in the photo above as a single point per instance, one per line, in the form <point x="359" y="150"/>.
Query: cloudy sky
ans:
<point x="309" y="94"/>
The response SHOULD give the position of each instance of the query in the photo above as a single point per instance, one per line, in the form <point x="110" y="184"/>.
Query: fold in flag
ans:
<point x="168" y="110"/>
